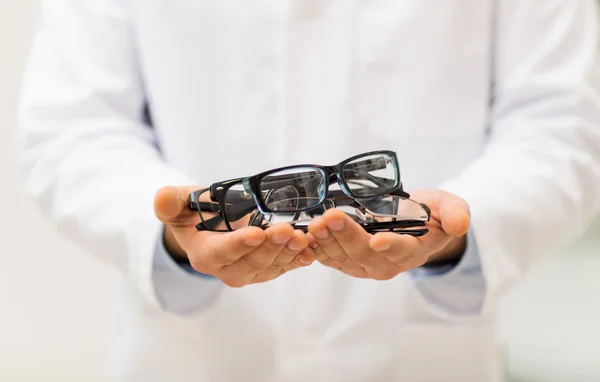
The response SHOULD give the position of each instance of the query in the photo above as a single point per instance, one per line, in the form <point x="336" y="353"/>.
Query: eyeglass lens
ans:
<point x="297" y="218"/>
<point x="371" y="175"/>
<point x="385" y="208"/>
<point x="296" y="189"/>
<point x="382" y="209"/>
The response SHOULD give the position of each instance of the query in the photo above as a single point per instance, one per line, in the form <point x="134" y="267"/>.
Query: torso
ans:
<point x="237" y="87"/>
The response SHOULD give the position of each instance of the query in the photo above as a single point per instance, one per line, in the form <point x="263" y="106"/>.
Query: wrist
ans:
<point x="451" y="254"/>
<point x="172" y="246"/>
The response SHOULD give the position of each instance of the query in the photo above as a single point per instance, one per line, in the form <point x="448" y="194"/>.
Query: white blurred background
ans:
<point x="56" y="301"/>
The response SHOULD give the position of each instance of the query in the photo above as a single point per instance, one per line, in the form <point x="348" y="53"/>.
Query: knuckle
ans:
<point x="278" y="264"/>
<point x="253" y="265"/>
<point x="296" y="264"/>
<point x="280" y="261"/>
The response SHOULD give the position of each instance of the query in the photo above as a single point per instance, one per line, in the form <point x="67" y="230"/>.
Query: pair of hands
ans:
<point x="252" y="255"/>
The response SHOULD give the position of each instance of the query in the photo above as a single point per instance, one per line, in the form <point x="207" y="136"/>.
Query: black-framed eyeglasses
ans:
<point x="393" y="213"/>
<point x="225" y="207"/>
<point x="304" y="187"/>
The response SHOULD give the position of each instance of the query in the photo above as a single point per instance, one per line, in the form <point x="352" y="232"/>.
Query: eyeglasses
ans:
<point x="304" y="187"/>
<point x="229" y="209"/>
<point x="227" y="206"/>
<point x="394" y="213"/>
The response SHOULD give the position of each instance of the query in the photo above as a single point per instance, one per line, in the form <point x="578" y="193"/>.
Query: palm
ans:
<point x="342" y="244"/>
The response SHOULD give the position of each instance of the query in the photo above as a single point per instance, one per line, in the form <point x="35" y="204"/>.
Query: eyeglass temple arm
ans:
<point x="368" y="164"/>
<point x="379" y="181"/>
<point x="416" y="232"/>
<point x="194" y="205"/>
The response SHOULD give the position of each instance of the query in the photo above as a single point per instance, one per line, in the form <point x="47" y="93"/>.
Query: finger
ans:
<point x="217" y="250"/>
<point x="297" y="244"/>
<point x="328" y="262"/>
<point x="170" y="206"/>
<point x="404" y="251"/>
<point x="389" y="241"/>
<point x="303" y="259"/>
<point x="455" y="215"/>
<point x="318" y="253"/>
<point x="353" y="239"/>
<point x="330" y="246"/>
<point x="307" y="256"/>
<point x="250" y="264"/>
<point x="312" y="241"/>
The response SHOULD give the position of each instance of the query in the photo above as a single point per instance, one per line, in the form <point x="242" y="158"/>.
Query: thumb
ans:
<point x="170" y="205"/>
<point x="455" y="215"/>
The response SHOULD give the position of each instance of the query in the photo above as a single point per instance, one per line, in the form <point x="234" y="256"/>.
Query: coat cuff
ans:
<point x="180" y="289"/>
<point x="453" y="292"/>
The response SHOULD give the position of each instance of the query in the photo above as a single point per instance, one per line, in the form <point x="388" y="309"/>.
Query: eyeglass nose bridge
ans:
<point x="334" y="178"/>
<point x="332" y="172"/>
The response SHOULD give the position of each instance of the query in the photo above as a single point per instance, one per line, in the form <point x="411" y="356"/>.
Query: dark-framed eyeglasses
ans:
<point x="304" y="187"/>
<point x="225" y="206"/>
<point x="392" y="213"/>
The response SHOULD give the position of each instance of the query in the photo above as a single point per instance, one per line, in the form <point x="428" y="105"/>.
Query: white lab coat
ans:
<point x="236" y="87"/>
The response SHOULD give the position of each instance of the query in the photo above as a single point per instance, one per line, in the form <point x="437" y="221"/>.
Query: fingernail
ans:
<point x="280" y="239"/>
<point x="304" y="261"/>
<point x="315" y="246"/>
<point x="335" y="225"/>
<point x="293" y="246"/>
<point x="321" y="234"/>
<point x="254" y="241"/>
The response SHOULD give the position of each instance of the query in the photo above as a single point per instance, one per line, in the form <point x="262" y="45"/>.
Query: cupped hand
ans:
<point x="245" y="256"/>
<point x="341" y="243"/>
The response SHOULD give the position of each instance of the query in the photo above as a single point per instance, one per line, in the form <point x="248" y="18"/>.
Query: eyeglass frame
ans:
<point x="218" y="205"/>
<point x="252" y="184"/>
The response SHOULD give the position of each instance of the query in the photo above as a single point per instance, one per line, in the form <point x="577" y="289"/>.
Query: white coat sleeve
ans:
<point x="536" y="186"/>
<point x="454" y="292"/>
<point x="89" y="159"/>
<point x="179" y="288"/>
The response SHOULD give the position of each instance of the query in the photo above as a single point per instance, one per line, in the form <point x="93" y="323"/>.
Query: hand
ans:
<point x="341" y="243"/>
<point x="245" y="256"/>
